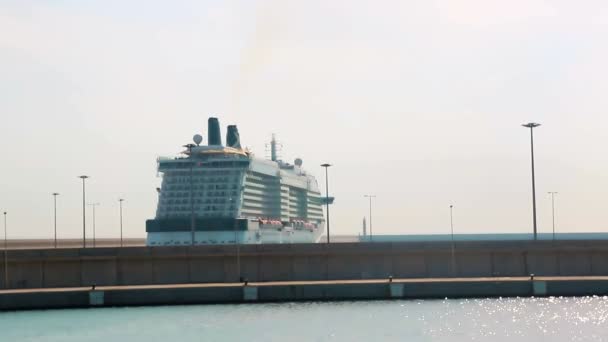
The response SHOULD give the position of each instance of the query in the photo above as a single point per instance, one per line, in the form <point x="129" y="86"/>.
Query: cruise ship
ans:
<point x="216" y="194"/>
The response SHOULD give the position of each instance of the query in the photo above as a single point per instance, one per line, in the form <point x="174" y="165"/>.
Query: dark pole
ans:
<point x="5" y="255"/>
<point x="238" y="254"/>
<point x="55" y="194"/>
<point x="452" y="234"/>
<point x="553" y="193"/>
<point x="326" y="166"/>
<point x="84" y="221"/>
<point x="94" y="205"/>
<point x="533" y="182"/>
<point x="192" y="221"/>
<point x="94" y="225"/>
<point x="120" y="203"/>
<point x="371" y="232"/>
<point x="532" y="125"/>
<point x="191" y="208"/>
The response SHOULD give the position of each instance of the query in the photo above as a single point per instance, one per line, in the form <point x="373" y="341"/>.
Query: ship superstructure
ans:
<point x="218" y="194"/>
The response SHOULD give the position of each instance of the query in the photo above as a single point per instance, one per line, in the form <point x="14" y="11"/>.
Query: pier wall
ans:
<point x="23" y="299"/>
<point x="48" y="268"/>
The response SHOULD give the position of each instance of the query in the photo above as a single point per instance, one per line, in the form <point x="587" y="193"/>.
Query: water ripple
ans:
<point x="500" y="319"/>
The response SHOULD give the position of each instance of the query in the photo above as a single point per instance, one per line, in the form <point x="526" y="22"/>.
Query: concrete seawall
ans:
<point x="53" y="268"/>
<point x="300" y="291"/>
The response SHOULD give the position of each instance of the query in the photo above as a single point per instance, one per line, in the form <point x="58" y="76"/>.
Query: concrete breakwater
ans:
<point x="54" y="268"/>
<point x="73" y="243"/>
<point x="301" y="291"/>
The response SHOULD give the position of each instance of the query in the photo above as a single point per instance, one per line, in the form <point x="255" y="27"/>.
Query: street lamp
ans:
<point x="192" y="221"/>
<point x="84" y="220"/>
<point x="531" y="126"/>
<point x="93" y="205"/>
<point x="371" y="232"/>
<point x="452" y="234"/>
<point x="553" y="193"/>
<point x="55" y="194"/>
<point x="5" y="255"/>
<point x="326" y="166"/>
<point x="236" y="245"/>
<point x="120" y="203"/>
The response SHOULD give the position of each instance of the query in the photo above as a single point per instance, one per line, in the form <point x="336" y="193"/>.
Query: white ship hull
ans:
<point x="229" y="237"/>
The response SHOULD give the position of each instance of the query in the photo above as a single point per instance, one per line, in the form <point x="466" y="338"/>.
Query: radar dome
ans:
<point x="197" y="139"/>
<point x="298" y="162"/>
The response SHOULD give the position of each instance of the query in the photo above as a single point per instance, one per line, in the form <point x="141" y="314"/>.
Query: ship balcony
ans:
<point x="326" y="200"/>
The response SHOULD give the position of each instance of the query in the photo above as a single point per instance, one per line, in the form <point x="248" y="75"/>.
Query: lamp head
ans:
<point x="326" y="165"/>
<point x="531" y="125"/>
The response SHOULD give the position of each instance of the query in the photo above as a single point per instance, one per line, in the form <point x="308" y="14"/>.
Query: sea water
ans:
<point x="502" y="319"/>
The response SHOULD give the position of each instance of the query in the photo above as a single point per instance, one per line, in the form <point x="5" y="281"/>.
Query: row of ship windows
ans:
<point x="164" y="209"/>
<point x="197" y="200"/>
<point x="260" y="187"/>
<point x="187" y="214"/>
<point x="269" y="182"/>
<point x="184" y="172"/>
<point x="176" y="194"/>
<point x="186" y="180"/>
<point x="259" y="175"/>
<point x="202" y="187"/>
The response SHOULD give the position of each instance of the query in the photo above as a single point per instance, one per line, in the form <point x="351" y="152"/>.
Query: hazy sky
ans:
<point x="417" y="102"/>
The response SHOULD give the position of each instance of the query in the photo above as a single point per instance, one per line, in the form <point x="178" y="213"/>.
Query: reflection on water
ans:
<point x="506" y="319"/>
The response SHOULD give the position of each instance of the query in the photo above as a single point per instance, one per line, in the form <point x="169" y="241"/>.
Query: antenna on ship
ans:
<point x="275" y="148"/>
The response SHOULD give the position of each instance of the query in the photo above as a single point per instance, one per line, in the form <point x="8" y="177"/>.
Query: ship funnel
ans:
<point x="232" y="137"/>
<point x="273" y="148"/>
<point x="213" y="133"/>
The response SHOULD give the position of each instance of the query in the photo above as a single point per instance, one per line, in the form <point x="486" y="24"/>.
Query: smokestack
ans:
<point x="232" y="137"/>
<point x="213" y="127"/>
<point x="273" y="148"/>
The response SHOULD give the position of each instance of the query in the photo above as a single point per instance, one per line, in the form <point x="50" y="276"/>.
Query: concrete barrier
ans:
<point x="96" y="298"/>
<point x="250" y="293"/>
<point x="539" y="288"/>
<point x="301" y="291"/>
<point x="307" y="262"/>
<point x="396" y="290"/>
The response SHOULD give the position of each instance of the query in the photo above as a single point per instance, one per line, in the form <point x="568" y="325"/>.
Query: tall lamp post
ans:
<point x="5" y="255"/>
<point x="192" y="221"/>
<point x="452" y="235"/>
<point x="84" y="207"/>
<point x="326" y="166"/>
<point x="371" y="232"/>
<point x="55" y="194"/>
<point x="94" y="205"/>
<point x="553" y="193"/>
<point x="120" y="203"/>
<point x="531" y="126"/>
<point x="236" y="245"/>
